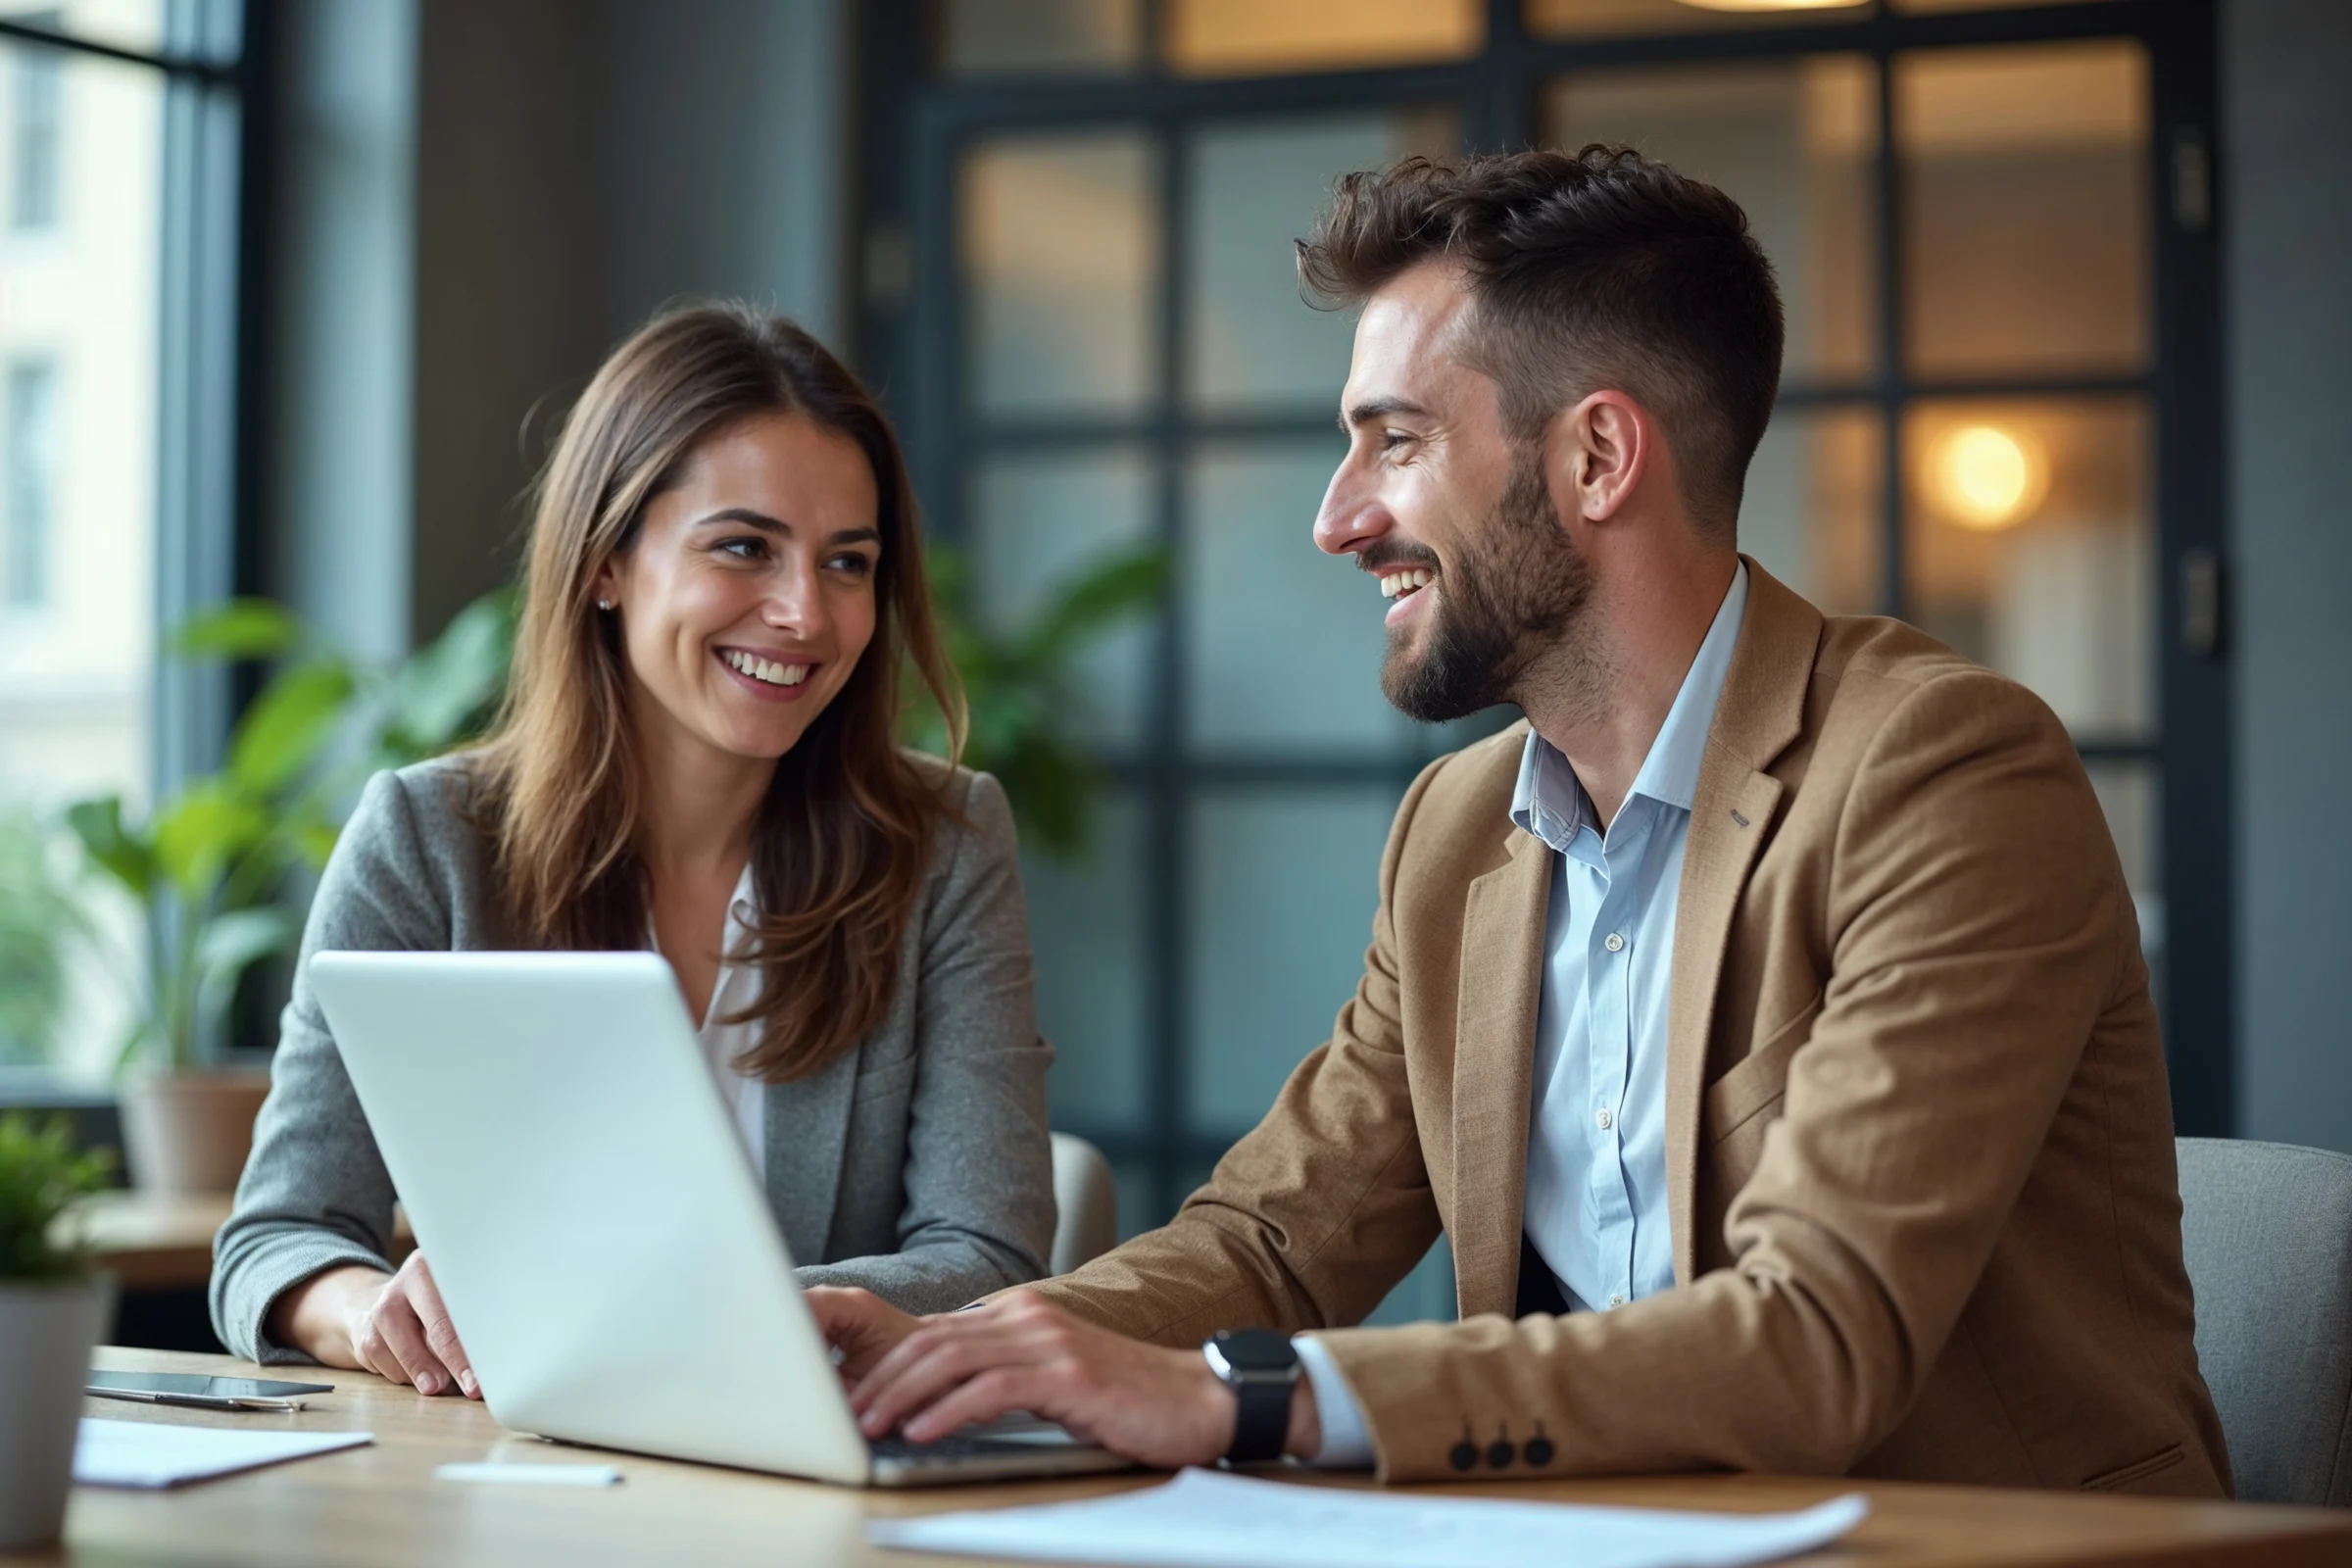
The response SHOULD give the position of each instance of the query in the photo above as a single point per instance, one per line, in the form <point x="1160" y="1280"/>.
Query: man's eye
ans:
<point x="1390" y="440"/>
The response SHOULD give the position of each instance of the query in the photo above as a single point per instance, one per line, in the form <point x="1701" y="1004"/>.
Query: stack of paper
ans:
<point x="159" y="1453"/>
<point x="1208" y="1519"/>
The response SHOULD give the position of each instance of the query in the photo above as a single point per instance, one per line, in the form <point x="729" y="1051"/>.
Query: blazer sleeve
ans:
<point x="1974" y="935"/>
<point x="1316" y="1214"/>
<point x="978" y="1214"/>
<point x="314" y="1195"/>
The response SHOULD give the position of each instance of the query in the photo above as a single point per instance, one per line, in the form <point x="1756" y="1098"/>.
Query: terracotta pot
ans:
<point x="47" y="1331"/>
<point x="189" y="1132"/>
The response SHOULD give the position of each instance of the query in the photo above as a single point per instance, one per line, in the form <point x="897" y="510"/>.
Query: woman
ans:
<point x="724" y="582"/>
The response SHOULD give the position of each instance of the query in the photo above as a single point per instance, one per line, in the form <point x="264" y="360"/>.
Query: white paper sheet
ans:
<point x="1209" y="1519"/>
<point x="160" y="1454"/>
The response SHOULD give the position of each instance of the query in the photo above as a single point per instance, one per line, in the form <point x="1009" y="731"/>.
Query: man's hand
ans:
<point x="1159" y="1406"/>
<point x="859" y="1324"/>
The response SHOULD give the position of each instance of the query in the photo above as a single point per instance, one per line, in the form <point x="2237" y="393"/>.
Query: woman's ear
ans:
<point x="605" y="588"/>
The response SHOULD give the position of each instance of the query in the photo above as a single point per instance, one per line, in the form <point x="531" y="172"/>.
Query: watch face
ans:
<point x="1257" y="1350"/>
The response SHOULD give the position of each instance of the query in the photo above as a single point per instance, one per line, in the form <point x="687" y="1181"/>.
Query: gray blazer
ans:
<point x="915" y="1165"/>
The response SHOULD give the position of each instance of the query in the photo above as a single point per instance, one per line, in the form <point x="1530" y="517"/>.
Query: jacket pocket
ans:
<point x="1755" y="1083"/>
<point x="2129" y="1476"/>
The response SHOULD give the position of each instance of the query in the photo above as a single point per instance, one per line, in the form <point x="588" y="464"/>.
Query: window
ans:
<point x="118" y="302"/>
<point x="27" y="513"/>
<point x="1995" y="312"/>
<point x="36" y="135"/>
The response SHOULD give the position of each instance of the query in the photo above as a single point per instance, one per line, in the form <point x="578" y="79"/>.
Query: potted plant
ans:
<point x="207" y="866"/>
<point x="1018" y="691"/>
<point x="52" y="1311"/>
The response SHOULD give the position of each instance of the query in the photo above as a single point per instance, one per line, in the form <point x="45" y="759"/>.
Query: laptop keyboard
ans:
<point x="955" y="1445"/>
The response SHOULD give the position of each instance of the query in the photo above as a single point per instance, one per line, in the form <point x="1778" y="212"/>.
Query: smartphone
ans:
<point x="205" y="1393"/>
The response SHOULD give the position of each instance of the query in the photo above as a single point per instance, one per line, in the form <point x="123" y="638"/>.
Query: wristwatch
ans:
<point x="1260" y="1367"/>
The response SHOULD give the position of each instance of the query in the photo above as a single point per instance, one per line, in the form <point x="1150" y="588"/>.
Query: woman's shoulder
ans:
<point x="976" y="818"/>
<point x="427" y="814"/>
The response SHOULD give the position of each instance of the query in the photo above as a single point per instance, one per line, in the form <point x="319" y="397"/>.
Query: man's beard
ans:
<point x="1515" y="588"/>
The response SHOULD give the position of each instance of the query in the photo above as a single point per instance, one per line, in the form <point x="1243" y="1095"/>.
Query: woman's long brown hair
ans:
<point x="844" y="834"/>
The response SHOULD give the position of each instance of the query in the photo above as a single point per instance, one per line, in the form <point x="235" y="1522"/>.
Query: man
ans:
<point x="1764" y="1020"/>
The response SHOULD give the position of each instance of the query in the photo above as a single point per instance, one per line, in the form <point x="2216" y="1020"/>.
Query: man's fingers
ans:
<point x="936" y="1365"/>
<point x="981" y="1399"/>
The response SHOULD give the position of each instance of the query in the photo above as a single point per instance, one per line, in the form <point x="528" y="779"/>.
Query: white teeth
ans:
<point x="762" y="669"/>
<point x="1394" y="583"/>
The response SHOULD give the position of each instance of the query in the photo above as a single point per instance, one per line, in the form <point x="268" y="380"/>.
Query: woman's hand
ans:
<point x="392" y="1325"/>
<point x="860" y="1326"/>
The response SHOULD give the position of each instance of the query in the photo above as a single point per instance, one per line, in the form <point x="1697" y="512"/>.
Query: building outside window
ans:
<point x="28" y="498"/>
<point x="36" y="135"/>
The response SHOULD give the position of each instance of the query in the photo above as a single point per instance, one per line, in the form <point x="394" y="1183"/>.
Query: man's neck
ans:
<point x="1601" y="702"/>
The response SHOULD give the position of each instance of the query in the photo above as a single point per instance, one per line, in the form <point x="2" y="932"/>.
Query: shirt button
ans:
<point x="1603" y="1118"/>
<point x="1615" y="943"/>
<point x="1616" y="1300"/>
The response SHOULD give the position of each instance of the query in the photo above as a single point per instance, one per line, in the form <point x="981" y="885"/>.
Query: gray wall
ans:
<point x="474" y="199"/>
<point x="2286" y="126"/>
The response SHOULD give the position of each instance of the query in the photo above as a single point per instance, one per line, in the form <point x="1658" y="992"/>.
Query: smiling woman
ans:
<point x="724" y="582"/>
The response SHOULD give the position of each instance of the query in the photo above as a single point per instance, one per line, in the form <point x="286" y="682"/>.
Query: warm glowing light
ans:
<point x="1985" y="477"/>
<point x="1770" y="5"/>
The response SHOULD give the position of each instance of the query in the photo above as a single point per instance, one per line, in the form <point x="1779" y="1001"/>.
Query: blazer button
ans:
<point x="1463" y="1456"/>
<point x="1501" y="1454"/>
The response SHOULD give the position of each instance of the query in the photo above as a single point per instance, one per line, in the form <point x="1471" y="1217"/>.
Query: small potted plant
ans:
<point x="209" y="866"/>
<point x="52" y="1311"/>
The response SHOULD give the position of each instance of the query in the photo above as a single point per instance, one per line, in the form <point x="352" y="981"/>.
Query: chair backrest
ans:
<point x="2268" y="1232"/>
<point x="1087" y="1199"/>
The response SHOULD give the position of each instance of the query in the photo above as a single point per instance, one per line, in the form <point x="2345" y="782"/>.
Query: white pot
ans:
<point x="47" y="1331"/>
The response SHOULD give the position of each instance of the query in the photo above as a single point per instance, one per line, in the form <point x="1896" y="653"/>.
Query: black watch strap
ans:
<point x="1261" y="1368"/>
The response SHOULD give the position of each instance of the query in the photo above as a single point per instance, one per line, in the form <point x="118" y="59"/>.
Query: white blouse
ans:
<point x="737" y="988"/>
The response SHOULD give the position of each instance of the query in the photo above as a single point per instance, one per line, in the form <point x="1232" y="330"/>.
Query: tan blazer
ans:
<point x="1918" y="1145"/>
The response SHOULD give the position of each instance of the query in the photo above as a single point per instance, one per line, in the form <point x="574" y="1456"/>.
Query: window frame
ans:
<point x="918" y="124"/>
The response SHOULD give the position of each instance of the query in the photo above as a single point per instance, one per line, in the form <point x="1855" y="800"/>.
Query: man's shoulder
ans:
<point x="1870" y="673"/>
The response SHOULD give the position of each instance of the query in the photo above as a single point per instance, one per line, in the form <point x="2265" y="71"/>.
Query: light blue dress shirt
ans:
<point x="1596" y="1206"/>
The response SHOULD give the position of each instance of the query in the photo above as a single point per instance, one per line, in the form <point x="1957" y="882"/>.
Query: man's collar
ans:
<point x="1551" y="804"/>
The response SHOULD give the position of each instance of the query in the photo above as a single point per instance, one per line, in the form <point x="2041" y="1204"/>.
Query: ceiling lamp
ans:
<point x="1985" y="477"/>
<point x="1772" y="5"/>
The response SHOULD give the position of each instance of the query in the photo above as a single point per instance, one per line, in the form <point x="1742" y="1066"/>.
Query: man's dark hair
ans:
<point x="1590" y="269"/>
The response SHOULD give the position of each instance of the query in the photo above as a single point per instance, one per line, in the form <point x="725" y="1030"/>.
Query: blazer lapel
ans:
<point x="1501" y="982"/>
<point x="807" y="1128"/>
<point x="1760" y="712"/>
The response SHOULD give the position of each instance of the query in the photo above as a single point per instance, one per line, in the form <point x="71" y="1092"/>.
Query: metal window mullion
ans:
<point x="1894" y="597"/>
<point x="1167" y="914"/>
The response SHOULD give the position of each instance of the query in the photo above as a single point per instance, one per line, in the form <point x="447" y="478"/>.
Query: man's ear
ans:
<point x="1602" y="449"/>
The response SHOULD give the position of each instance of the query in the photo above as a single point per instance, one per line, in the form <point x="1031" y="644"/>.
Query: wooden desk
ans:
<point x="382" y="1505"/>
<point x="164" y="1242"/>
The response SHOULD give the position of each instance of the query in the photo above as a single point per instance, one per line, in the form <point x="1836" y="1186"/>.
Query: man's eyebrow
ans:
<point x="1372" y="409"/>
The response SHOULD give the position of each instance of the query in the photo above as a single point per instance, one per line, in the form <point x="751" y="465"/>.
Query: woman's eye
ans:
<point x="856" y="566"/>
<point x="750" y="547"/>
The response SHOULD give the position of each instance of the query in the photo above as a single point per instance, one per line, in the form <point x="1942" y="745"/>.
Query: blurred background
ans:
<point x="294" y="292"/>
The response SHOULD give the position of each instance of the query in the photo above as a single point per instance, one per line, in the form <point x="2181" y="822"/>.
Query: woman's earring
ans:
<point x="604" y="604"/>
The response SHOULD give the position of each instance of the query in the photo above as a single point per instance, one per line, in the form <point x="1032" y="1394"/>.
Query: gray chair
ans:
<point x="1086" y="1224"/>
<point x="2268" y="1231"/>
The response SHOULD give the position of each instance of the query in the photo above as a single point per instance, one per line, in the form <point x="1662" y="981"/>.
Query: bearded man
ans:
<point x="1763" y="1019"/>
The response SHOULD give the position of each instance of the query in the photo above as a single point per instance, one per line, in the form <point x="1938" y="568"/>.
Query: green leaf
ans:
<point x="202" y="831"/>
<point x="40" y="1176"/>
<point x="243" y="628"/>
<point x="1103" y="595"/>
<point x="315" y="842"/>
<point x="293" y="717"/>
<point x="447" y="687"/>
<point x="233" y="943"/>
<point x="128" y="859"/>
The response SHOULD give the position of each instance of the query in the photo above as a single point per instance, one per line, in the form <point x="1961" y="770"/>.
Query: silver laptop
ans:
<point x="596" y="1227"/>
